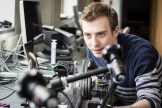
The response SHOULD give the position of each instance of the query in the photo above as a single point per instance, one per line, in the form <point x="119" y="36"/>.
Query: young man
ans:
<point x="142" y="86"/>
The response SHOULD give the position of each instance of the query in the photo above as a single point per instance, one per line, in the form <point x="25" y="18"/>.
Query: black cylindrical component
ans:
<point x="57" y="83"/>
<point x="113" y="54"/>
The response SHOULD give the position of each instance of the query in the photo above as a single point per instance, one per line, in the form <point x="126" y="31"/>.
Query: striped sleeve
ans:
<point x="149" y="85"/>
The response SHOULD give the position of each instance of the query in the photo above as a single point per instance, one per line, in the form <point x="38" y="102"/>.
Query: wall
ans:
<point x="67" y="10"/>
<point x="9" y="10"/>
<point x="156" y="24"/>
<point x="50" y="12"/>
<point x="117" y="5"/>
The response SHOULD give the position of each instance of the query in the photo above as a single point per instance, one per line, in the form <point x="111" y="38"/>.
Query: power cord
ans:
<point x="71" y="104"/>
<point x="7" y="78"/>
<point x="11" y="52"/>
<point x="9" y="94"/>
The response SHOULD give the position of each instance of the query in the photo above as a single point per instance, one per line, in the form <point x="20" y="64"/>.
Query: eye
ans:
<point x="87" y="35"/>
<point x="101" y="34"/>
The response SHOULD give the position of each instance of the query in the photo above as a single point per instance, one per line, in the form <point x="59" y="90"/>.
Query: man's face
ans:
<point x="97" y="35"/>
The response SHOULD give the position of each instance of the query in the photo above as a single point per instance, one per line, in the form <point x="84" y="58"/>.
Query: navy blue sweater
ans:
<point x="143" y="65"/>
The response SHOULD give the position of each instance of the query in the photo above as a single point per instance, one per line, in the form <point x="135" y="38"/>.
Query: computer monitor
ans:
<point x="30" y="18"/>
<point x="31" y="27"/>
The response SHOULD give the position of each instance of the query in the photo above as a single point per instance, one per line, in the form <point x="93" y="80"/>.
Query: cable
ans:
<point x="7" y="80"/>
<point x="7" y="87"/>
<point x="71" y="104"/>
<point x="5" y="66"/>
<point x="11" y="52"/>
<point x="15" y="64"/>
<point x="9" y="94"/>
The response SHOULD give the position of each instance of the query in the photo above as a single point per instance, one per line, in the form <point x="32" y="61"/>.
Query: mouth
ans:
<point x="97" y="51"/>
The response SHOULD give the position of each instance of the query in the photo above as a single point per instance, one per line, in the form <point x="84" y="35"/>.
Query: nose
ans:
<point x="95" y="41"/>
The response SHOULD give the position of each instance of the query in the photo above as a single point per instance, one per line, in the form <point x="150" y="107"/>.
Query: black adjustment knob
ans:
<point x="111" y="52"/>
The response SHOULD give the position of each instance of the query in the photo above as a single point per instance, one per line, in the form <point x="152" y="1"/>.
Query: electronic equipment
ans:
<point x="5" y="24"/>
<point x="34" y="87"/>
<point x="102" y="89"/>
<point x="56" y="85"/>
<point x="96" y="89"/>
<point x="31" y="22"/>
<point x="63" y="67"/>
<point x="31" y="26"/>
<point x="30" y="17"/>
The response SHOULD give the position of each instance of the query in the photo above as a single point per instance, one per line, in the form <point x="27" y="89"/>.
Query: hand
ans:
<point x="139" y="104"/>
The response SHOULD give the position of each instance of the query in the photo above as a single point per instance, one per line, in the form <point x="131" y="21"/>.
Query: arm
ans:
<point x="139" y="104"/>
<point x="144" y="67"/>
<point x="147" y="74"/>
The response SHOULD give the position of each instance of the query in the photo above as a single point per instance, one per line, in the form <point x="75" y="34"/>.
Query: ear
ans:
<point x="116" y="31"/>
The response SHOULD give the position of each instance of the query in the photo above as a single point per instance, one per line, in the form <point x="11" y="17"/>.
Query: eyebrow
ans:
<point x="96" y="32"/>
<point x="101" y="32"/>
